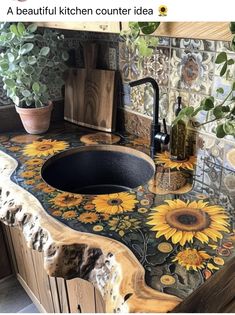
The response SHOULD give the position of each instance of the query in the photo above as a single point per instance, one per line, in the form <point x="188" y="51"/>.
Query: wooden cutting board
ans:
<point x="90" y="94"/>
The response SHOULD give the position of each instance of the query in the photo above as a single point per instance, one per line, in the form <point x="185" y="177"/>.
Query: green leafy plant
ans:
<point x="139" y="35"/>
<point x="32" y="63"/>
<point x="222" y="112"/>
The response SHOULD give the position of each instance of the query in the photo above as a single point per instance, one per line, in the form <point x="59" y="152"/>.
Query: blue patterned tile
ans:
<point x="193" y="44"/>
<point x="192" y="71"/>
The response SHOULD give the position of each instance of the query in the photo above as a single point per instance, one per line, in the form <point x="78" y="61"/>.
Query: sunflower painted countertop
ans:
<point x="177" y="231"/>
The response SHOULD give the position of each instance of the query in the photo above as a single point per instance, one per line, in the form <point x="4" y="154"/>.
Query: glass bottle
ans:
<point x="178" y="136"/>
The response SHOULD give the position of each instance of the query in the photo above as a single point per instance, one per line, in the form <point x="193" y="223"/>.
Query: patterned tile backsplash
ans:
<point x="182" y="67"/>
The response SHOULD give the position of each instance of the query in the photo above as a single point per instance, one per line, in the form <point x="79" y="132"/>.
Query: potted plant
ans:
<point x="32" y="64"/>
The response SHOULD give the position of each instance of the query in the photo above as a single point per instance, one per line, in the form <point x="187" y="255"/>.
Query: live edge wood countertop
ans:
<point x="165" y="246"/>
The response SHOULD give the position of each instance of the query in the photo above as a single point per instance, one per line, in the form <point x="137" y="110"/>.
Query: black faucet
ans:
<point x="157" y="137"/>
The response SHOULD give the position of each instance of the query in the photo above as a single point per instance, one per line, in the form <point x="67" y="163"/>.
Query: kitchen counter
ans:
<point x="147" y="249"/>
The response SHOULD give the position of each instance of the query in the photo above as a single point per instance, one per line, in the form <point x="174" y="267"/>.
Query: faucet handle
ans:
<point x="164" y="125"/>
<point x="162" y="137"/>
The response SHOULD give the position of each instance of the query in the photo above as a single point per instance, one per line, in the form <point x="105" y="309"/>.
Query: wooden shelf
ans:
<point x="198" y="30"/>
<point x="103" y="27"/>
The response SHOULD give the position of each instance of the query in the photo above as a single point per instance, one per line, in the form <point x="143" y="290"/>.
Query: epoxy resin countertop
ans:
<point x="179" y="226"/>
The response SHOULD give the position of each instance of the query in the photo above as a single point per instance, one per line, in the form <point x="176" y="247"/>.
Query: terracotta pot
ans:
<point x="36" y="120"/>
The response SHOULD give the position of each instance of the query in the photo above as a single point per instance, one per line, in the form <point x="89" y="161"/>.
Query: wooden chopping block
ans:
<point x="90" y="94"/>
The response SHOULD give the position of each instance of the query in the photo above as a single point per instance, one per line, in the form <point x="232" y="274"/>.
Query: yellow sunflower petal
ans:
<point x="169" y="234"/>
<point x="202" y="237"/>
<point x="177" y="237"/>
<point x="160" y="227"/>
<point x="184" y="239"/>
<point x="204" y="255"/>
<point x="160" y="233"/>
<point x="172" y="204"/>
<point x="212" y="234"/>
<point x="211" y="267"/>
<point x="193" y="204"/>
<point x="219" y="227"/>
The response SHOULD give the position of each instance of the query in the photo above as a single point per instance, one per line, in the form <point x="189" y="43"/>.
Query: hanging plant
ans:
<point x="139" y="35"/>
<point x="224" y="112"/>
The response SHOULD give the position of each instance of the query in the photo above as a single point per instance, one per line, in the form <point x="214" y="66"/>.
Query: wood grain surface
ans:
<point x="216" y="295"/>
<point x="109" y="265"/>
<point x="90" y="95"/>
<point x="198" y="30"/>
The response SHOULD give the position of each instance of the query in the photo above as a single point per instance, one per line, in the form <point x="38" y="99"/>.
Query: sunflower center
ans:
<point x="188" y="219"/>
<point x="163" y="9"/>
<point x="191" y="259"/>
<point x="68" y="199"/>
<point x="114" y="202"/>
<point x="44" y="147"/>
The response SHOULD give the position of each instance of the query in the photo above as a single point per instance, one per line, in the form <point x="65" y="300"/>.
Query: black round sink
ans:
<point x="98" y="169"/>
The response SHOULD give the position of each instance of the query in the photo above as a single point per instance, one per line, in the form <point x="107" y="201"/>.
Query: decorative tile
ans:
<point x="148" y="101"/>
<point x="229" y="156"/>
<point x="164" y="41"/>
<point x="212" y="175"/>
<point x="228" y="184"/>
<point x="192" y="70"/>
<point x="224" y="46"/>
<point x="134" y="124"/>
<point x="173" y="94"/>
<point x="193" y="44"/>
<point x="215" y="153"/>
<point x="148" y="66"/>
<point x="142" y="100"/>
<point x="164" y="103"/>
<point x="203" y="116"/>
<point x="220" y="82"/>
<point x="137" y="99"/>
<point x="162" y="56"/>
<point x="129" y="62"/>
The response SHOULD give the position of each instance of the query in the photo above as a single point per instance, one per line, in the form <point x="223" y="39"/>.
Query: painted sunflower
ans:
<point x="66" y="200"/>
<point x="115" y="203"/>
<point x="88" y="217"/>
<point x="184" y="221"/>
<point x="14" y="149"/>
<point x="45" y="147"/>
<point x="192" y="259"/>
<point x="68" y="215"/>
<point x="34" y="162"/>
<point x="41" y="186"/>
<point x="30" y="182"/>
<point x="27" y="174"/>
<point x="164" y="158"/>
<point x="45" y="188"/>
<point x="123" y="224"/>
<point x="57" y="213"/>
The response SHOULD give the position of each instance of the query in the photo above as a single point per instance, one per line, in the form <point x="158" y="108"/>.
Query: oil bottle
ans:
<point x="178" y="136"/>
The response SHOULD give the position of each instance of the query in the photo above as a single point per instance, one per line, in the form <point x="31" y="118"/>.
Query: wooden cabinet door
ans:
<point x="5" y="266"/>
<point x="52" y="295"/>
<point x="83" y="297"/>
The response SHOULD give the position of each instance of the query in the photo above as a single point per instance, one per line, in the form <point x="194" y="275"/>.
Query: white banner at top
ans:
<point x="117" y="10"/>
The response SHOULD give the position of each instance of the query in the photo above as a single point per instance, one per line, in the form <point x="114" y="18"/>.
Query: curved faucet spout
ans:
<point x="157" y="137"/>
<point x="155" y="95"/>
